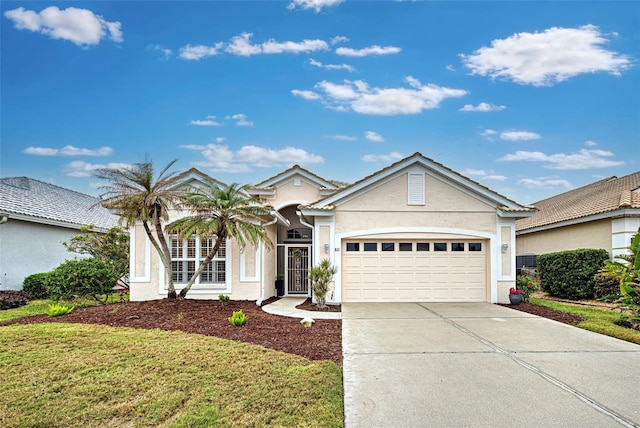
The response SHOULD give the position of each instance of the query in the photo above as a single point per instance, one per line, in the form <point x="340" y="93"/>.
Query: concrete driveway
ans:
<point x="482" y="365"/>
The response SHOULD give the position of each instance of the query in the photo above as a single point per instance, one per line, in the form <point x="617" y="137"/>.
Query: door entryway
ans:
<point x="297" y="267"/>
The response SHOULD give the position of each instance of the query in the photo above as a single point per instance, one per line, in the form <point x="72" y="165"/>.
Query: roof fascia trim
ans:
<point x="50" y="222"/>
<point x="628" y="212"/>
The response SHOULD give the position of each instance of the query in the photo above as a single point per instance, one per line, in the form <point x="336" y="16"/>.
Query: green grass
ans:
<point x="76" y="375"/>
<point x="38" y="307"/>
<point x="596" y="320"/>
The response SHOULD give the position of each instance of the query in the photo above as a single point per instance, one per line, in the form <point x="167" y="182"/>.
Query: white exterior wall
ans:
<point x="622" y="231"/>
<point x="27" y="248"/>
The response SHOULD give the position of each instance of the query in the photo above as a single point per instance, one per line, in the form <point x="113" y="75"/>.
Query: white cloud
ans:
<point x="241" y="119"/>
<point x="86" y="169"/>
<point x="590" y="143"/>
<point x="450" y="67"/>
<point x="342" y="137"/>
<point x="519" y="135"/>
<point x="241" y="45"/>
<point x="482" y="107"/>
<point x="373" y="136"/>
<point x="543" y="59"/>
<point x="488" y="133"/>
<point x="68" y="151"/>
<point x="196" y="53"/>
<point x="79" y="26"/>
<point x="545" y="183"/>
<point x="371" y="50"/>
<point x="339" y="39"/>
<point x="221" y="158"/>
<point x="316" y="5"/>
<point x="220" y="139"/>
<point x="209" y="121"/>
<point x="307" y="95"/>
<point x="391" y="157"/>
<point x="483" y="175"/>
<point x="360" y="98"/>
<point x="347" y="67"/>
<point x="164" y="52"/>
<point x="582" y="159"/>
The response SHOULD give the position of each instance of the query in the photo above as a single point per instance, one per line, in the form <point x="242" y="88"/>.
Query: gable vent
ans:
<point x="416" y="189"/>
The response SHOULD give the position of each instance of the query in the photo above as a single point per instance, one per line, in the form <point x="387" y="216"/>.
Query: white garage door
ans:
<point x="414" y="271"/>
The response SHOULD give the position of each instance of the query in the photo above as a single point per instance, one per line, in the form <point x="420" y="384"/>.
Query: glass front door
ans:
<point x="298" y="264"/>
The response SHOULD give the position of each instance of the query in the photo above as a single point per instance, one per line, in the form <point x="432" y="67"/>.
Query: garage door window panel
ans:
<point x="440" y="246"/>
<point x="405" y="246"/>
<point x="371" y="246"/>
<point x="457" y="246"/>
<point x="475" y="246"/>
<point x="388" y="246"/>
<point x="422" y="246"/>
<point x="353" y="246"/>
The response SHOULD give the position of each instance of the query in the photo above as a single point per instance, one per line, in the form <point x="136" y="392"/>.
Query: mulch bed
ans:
<point x="545" y="312"/>
<point x="308" y="305"/>
<point x="322" y="341"/>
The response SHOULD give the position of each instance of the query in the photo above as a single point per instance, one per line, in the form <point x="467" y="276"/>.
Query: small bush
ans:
<point x="223" y="299"/>
<point x="34" y="285"/>
<point x="10" y="299"/>
<point x="88" y="277"/>
<point x="569" y="274"/>
<point x="528" y="285"/>
<point x="238" y="318"/>
<point x="55" y="310"/>
<point x="605" y="284"/>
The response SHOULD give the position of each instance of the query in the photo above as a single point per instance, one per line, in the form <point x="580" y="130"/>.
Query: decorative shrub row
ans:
<point x="83" y="277"/>
<point x="569" y="274"/>
<point x="12" y="299"/>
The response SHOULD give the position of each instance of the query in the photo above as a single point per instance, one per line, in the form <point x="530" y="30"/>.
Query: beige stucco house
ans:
<point x="604" y="214"/>
<point x="413" y="231"/>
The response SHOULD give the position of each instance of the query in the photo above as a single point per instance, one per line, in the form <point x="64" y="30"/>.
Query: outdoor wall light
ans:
<point x="326" y="248"/>
<point x="505" y="247"/>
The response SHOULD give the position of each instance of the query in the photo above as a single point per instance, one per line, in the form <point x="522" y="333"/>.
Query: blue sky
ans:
<point x="528" y="98"/>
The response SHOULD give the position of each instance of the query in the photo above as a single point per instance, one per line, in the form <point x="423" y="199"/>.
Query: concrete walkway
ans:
<point x="482" y="365"/>
<point x="286" y="306"/>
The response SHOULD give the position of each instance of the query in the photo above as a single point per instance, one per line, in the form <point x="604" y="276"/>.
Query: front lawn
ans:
<point x="596" y="320"/>
<point x="77" y="375"/>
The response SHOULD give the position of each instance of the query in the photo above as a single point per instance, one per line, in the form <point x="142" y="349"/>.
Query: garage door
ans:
<point x="414" y="271"/>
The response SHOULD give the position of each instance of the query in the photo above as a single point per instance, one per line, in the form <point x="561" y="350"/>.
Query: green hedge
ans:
<point x="569" y="274"/>
<point x="83" y="277"/>
<point x="34" y="285"/>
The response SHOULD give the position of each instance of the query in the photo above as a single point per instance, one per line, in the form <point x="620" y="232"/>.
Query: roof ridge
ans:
<point x="47" y="184"/>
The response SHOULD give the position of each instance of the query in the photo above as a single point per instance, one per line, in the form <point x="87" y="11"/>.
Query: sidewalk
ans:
<point x="286" y="307"/>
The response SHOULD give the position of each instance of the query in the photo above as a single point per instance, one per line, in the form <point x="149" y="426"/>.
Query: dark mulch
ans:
<point x="322" y="341"/>
<point x="308" y="305"/>
<point x="545" y="312"/>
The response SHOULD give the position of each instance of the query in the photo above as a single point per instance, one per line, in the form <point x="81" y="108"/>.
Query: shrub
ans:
<point x="569" y="274"/>
<point x="34" y="285"/>
<point x="55" y="310"/>
<point x="85" y="277"/>
<point x="605" y="284"/>
<point x="238" y="318"/>
<point x="10" y="299"/>
<point x="223" y="299"/>
<point x="320" y="277"/>
<point x="528" y="285"/>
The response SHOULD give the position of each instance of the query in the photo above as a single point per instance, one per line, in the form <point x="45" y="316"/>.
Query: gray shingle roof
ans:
<point x="608" y="195"/>
<point x="34" y="198"/>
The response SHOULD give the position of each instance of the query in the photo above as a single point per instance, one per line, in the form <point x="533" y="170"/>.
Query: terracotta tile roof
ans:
<point x="34" y="198"/>
<point x="608" y="195"/>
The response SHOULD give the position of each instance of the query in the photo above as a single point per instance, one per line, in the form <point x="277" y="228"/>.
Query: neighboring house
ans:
<point x="35" y="219"/>
<point x="414" y="231"/>
<point x="604" y="214"/>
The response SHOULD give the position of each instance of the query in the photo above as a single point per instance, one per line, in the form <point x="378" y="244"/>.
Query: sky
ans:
<point x="530" y="99"/>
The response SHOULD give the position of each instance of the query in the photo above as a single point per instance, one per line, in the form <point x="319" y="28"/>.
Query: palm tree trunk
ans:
<point x="165" y="256"/>
<point x="205" y="262"/>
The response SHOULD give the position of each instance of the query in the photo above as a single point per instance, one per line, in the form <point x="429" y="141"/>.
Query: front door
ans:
<point x="297" y="268"/>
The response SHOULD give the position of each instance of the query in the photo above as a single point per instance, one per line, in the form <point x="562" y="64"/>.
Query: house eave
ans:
<point x="49" y="222"/>
<point x="515" y="214"/>
<point x="628" y="212"/>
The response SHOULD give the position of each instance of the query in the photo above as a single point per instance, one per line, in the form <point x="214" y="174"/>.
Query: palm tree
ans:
<point x="221" y="213"/>
<point x="138" y="195"/>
